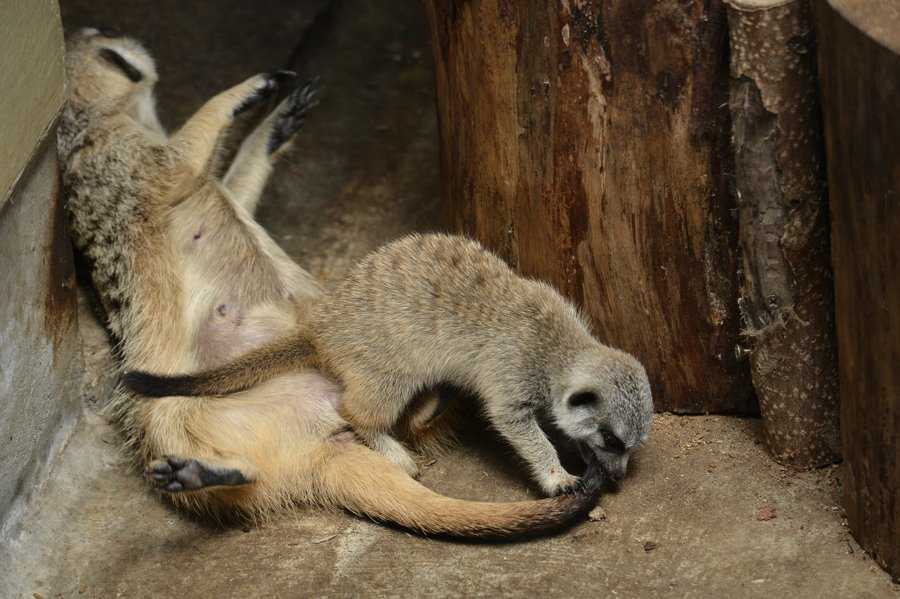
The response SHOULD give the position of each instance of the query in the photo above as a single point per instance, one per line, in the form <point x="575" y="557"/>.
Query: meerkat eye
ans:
<point x="116" y="59"/>
<point x="584" y="398"/>
<point x="612" y="442"/>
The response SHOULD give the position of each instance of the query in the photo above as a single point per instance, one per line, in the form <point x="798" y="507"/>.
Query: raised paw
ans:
<point x="266" y="85"/>
<point x="175" y="474"/>
<point x="292" y="114"/>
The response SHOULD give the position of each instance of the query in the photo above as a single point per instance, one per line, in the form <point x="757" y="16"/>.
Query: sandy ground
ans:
<point x="704" y="512"/>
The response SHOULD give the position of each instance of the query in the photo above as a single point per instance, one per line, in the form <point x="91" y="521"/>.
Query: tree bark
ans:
<point x="786" y="293"/>
<point x="587" y="143"/>
<point x="859" y="67"/>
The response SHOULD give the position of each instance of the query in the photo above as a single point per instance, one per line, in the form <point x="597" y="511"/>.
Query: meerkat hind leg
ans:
<point x="393" y="450"/>
<point x="175" y="474"/>
<point x="250" y="169"/>
<point x="199" y="139"/>
<point x="373" y="415"/>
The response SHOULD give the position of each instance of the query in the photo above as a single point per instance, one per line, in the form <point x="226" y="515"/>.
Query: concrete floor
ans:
<point x="704" y="513"/>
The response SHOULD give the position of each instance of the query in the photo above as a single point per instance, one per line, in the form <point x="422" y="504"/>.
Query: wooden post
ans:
<point x="859" y="67"/>
<point x="587" y="143"/>
<point x="786" y="293"/>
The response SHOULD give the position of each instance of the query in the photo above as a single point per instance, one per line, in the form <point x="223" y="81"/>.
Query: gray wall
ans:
<point x="40" y="353"/>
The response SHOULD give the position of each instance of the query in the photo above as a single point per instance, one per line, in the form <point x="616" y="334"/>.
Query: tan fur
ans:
<point x="189" y="280"/>
<point x="431" y="309"/>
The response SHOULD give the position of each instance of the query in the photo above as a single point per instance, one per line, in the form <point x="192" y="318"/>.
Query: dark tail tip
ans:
<point x="151" y="385"/>
<point x="593" y="481"/>
<point x="583" y="497"/>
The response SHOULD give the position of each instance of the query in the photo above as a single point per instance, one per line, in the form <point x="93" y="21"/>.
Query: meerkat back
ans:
<point x="438" y="307"/>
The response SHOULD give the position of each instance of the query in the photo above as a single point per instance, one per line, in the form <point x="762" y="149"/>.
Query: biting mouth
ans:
<point x="611" y="479"/>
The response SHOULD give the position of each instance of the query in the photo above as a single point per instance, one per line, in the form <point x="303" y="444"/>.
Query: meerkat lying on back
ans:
<point x="431" y="309"/>
<point x="189" y="280"/>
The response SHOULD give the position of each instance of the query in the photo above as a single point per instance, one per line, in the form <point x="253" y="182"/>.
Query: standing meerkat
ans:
<point x="431" y="309"/>
<point x="189" y="280"/>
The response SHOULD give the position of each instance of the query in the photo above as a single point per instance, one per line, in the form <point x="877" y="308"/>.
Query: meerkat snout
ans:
<point x="606" y="406"/>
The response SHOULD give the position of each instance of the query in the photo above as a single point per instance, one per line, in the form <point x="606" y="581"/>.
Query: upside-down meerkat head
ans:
<point x="108" y="70"/>
<point x="604" y="403"/>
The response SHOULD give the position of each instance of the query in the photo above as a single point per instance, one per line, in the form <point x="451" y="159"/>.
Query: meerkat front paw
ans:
<point x="291" y="114"/>
<point x="263" y="86"/>
<point x="559" y="482"/>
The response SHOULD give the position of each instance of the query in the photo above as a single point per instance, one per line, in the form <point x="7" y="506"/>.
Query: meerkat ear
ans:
<point x="117" y="60"/>
<point x="577" y="413"/>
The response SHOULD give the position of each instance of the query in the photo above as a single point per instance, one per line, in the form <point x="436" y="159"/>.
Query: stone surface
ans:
<point x="39" y="348"/>
<point x="40" y="352"/>
<point x="694" y="499"/>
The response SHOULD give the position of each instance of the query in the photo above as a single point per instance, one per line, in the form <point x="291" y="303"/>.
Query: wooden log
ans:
<point x="587" y="143"/>
<point x="786" y="287"/>
<point x="859" y="69"/>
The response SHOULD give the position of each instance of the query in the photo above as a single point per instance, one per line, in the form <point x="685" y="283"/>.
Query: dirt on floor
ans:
<point x="703" y="513"/>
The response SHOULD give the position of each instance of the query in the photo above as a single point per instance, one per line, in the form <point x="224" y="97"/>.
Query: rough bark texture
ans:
<point x="859" y="66"/>
<point x="587" y="143"/>
<point x="786" y="287"/>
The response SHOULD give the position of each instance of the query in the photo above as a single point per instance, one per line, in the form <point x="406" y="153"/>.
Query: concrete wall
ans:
<point x="40" y="354"/>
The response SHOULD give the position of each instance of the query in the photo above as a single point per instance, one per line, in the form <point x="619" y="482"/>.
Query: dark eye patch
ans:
<point x="612" y="442"/>
<point x="123" y="65"/>
<point x="585" y="398"/>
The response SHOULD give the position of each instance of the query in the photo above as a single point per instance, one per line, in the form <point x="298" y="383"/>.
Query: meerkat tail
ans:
<point x="285" y="355"/>
<point x="365" y="483"/>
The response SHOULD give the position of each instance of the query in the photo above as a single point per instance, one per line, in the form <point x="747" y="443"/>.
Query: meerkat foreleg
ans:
<point x="199" y="139"/>
<point x="251" y="168"/>
<point x="523" y="432"/>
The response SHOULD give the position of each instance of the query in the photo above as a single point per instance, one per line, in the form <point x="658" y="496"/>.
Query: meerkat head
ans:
<point x="603" y="402"/>
<point x="108" y="70"/>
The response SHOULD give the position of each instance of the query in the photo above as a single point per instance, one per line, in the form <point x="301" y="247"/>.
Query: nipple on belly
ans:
<point x="228" y="313"/>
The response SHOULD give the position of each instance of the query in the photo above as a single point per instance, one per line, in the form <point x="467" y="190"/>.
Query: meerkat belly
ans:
<point x="234" y="301"/>
<point x="228" y="328"/>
